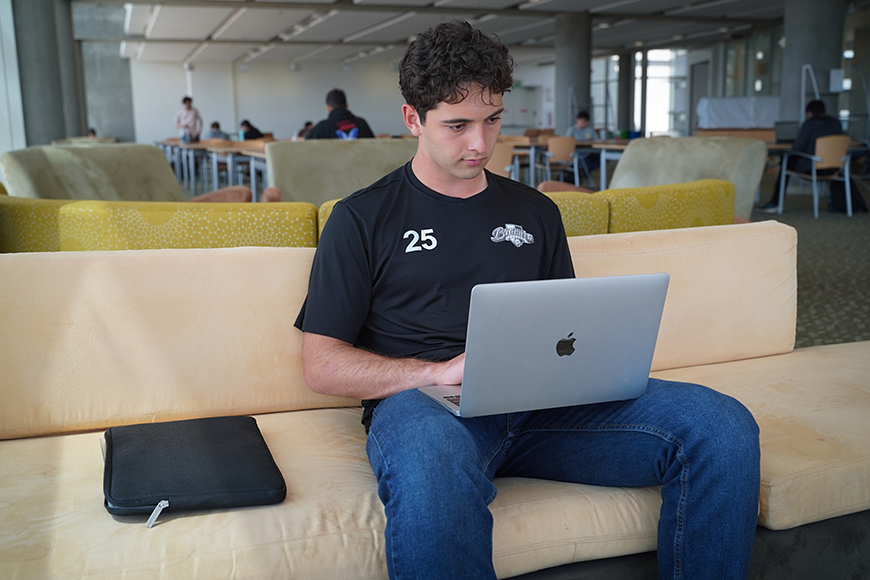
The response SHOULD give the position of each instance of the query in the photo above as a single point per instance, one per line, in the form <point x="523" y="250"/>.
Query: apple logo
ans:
<point x="565" y="347"/>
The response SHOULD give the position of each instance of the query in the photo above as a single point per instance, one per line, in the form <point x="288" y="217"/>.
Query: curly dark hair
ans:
<point x="444" y="61"/>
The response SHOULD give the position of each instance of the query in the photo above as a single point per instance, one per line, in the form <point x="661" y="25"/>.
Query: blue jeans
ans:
<point x="435" y="475"/>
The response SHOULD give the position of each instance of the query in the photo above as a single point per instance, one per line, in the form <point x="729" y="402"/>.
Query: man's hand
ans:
<point x="335" y="367"/>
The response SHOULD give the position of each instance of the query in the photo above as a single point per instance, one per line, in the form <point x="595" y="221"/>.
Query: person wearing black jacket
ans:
<point x="341" y="123"/>
<point x="818" y="124"/>
<point x="250" y="132"/>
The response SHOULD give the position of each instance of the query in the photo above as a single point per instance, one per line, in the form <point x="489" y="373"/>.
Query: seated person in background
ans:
<point x="249" y="131"/>
<point x="216" y="133"/>
<point x="581" y="131"/>
<point x="92" y="132"/>
<point x="341" y="123"/>
<point x="817" y="124"/>
<point x="383" y="317"/>
<point x="303" y="132"/>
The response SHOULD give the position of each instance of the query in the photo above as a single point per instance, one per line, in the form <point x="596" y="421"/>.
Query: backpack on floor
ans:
<point x="837" y="198"/>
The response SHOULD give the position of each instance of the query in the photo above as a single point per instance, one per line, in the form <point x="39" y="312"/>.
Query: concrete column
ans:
<point x="573" y="67"/>
<point x="70" y="69"/>
<point x="814" y="36"/>
<point x="626" y="92"/>
<point x="39" y="70"/>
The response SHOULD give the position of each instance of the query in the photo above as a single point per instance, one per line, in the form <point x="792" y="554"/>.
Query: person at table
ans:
<point x="188" y="121"/>
<point x="216" y="133"/>
<point x="817" y="124"/>
<point x="249" y="131"/>
<point x="582" y="131"/>
<point x="341" y="123"/>
<point x="303" y="132"/>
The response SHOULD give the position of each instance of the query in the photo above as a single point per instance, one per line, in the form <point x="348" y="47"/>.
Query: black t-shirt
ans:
<point x="395" y="265"/>
<point x="341" y="124"/>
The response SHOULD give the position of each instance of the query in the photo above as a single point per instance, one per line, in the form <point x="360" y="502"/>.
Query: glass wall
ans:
<point x="667" y="93"/>
<point x="753" y="66"/>
<point x="605" y="91"/>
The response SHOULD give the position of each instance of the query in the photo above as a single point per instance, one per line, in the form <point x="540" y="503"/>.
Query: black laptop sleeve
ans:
<point x="218" y="462"/>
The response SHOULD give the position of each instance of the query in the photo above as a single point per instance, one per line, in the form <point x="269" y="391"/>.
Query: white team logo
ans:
<point x="512" y="233"/>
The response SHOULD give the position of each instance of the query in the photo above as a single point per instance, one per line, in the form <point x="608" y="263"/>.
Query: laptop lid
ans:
<point x="785" y="131"/>
<point x="555" y="343"/>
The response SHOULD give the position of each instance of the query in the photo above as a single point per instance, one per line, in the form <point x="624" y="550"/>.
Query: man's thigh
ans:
<point x="625" y="443"/>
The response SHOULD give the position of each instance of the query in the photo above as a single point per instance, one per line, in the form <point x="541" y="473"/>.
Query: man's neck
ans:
<point x="447" y="185"/>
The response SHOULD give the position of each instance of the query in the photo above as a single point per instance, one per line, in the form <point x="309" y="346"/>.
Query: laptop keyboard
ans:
<point x="452" y="399"/>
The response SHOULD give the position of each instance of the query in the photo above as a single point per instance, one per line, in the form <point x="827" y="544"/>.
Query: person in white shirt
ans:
<point x="188" y="121"/>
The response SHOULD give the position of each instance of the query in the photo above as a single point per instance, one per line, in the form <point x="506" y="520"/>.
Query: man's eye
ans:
<point x="494" y="120"/>
<point x="456" y="127"/>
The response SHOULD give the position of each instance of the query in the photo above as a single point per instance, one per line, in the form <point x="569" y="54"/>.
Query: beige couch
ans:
<point x="95" y="339"/>
<point x="662" y="160"/>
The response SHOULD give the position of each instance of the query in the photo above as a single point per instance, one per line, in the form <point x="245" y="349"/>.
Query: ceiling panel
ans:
<point x="186" y="22"/>
<point x="406" y="3"/>
<point x="286" y="52"/>
<point x="343" y="24"/>
<point x="532" y="55"/>
<point x="546" y="28"/>
<point x="482" y="4"/>
<point x="506" y="24"/>
<point x="136" y="19"/>
<point x="259" y="24"/>
<point x="565" y="5"/>
<point x="221" y="52"/>
<point x="167" y="51"/>
<point x="413" y="24"/>
<point x="302" y="1"/>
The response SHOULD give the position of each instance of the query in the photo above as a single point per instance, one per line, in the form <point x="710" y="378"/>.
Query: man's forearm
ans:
<point x="334" y="367"/>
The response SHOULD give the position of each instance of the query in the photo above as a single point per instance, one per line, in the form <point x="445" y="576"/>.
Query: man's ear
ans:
<point x="412" y="120"/>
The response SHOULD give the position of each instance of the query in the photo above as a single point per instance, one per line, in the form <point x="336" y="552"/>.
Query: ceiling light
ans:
<point x="638" y="43"/>
<point x="603" y="25"/>
<point x="847" y="54"/>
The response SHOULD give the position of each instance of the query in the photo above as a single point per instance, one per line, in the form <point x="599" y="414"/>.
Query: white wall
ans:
<point x="544" y="77"/>
<point x="270" y="95"/>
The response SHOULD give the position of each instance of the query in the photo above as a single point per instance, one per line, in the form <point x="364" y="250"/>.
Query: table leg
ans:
<point x="215" y="171"/>
<point x="231" y="169"/>
<point x="603" y="169"/>
<point x="253" y="166"/>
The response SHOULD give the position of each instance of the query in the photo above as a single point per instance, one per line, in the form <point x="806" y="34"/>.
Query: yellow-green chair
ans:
<point x="582" y="213"/>
<point x="707" y="202"/>
<point x="323" y="214"/>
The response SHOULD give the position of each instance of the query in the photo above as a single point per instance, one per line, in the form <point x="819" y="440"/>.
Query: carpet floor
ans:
<point x="833" y="268"/>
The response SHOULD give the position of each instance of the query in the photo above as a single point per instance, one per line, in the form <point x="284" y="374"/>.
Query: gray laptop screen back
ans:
<point x="554" y="343"/>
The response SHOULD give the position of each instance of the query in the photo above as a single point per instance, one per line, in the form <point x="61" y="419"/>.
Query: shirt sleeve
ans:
<point x="340" y="286"/>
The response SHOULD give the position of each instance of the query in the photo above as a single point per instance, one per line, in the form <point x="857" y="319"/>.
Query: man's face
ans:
<point x="456" y="141"/>
<point x="187" y="105"/>
<point x="581" y="123"/>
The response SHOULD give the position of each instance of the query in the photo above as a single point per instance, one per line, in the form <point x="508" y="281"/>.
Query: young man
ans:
<point x="341" y="123"/>
<point x="386" y="312"/>
<point x="216" y="133"/>
<point x="249" y="131"/>
<point x="188" y="121"/>
<point x="817" y="124"/>
<point x="581" y="130"/>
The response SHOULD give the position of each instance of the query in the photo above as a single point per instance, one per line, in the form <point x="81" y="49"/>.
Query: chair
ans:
<point x="561" y="156"/>
<point x="503" y="161"/>
<point x="832" y="153"/>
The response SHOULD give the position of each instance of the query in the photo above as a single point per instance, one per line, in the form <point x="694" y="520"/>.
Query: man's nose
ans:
<point x="476" y="142"/>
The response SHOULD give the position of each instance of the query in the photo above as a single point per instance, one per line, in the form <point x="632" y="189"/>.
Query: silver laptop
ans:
<point x="556" y="343"/>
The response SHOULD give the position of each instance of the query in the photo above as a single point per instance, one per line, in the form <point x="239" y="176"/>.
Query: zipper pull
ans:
<point x="162" y="505"/>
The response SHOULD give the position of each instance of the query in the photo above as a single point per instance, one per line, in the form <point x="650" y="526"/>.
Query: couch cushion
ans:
<point x="106" y="225"/>
<point x="733" y="291"/>
<point x="812" y="406"/>
<point x="96" y="339"/>
<point x="331" y="524"/>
